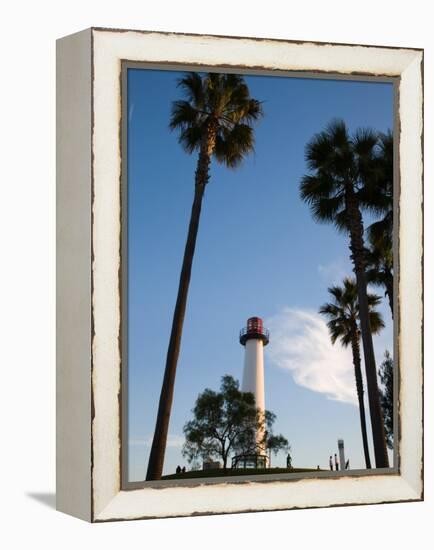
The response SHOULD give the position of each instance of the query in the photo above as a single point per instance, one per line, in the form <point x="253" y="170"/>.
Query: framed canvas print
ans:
<point x="239" y="274"/>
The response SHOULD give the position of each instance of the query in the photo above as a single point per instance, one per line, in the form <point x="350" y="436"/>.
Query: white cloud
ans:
<point x="300" y="343"/>
<point x="173" y="440"/>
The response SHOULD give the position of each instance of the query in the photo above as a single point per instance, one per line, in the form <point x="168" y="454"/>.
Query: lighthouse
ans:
<point x="254" y="337"/>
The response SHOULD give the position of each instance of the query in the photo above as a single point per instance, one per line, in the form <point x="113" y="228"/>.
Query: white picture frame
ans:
<point x="89" y="348"/>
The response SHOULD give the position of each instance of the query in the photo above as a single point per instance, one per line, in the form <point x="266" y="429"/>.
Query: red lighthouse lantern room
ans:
<point x="254" y="330"/>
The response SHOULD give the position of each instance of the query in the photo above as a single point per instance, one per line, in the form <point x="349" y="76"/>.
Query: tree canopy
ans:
<point x="226" y="423"/>
<point x="221" y="103"/>
<point x="340" y="163"/>
<point x="343" y="312"/>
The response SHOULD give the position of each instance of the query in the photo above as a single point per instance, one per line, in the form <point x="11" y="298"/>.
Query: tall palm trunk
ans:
<point x="158" y="449"/>
<point x="359" y="385"/>
<point x="357" y="248"/>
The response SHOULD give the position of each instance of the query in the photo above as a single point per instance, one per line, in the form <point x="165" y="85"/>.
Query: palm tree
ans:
<point x="343" y="324"/>
<point x="381" y="197"/>
<point x="379" y="261"/>
<point x="336" y="190"/>
<point x="216" y="120"/>
<point x="380" y="233"/>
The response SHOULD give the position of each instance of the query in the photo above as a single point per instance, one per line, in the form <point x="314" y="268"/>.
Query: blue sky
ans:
<point x="258" y="253"/>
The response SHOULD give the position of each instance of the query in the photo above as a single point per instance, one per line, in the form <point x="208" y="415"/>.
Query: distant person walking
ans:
<point x="178" y="469"/>
<point x="336" y="462"/>
<point x="331" y="462"/>
<point x="288" y="461"/>
<point x="183" y="469"/>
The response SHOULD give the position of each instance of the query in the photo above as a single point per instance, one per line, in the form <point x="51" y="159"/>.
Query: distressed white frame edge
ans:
<point x="107" y="51"/>
<point x="73" y="274"/>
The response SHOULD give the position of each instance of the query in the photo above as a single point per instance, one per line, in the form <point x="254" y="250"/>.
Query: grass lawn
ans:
<point x="238" y="472"/>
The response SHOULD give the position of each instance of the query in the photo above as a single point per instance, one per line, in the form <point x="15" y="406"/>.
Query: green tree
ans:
<point x="343" y="323"/>
<point x="249" y="443"/>
<point x="276" y="443"/>
<point x="339" y="185"/>
<point x="216" y="120"/>
<point x="386" y="396"/>
<point x="223" y="422"/>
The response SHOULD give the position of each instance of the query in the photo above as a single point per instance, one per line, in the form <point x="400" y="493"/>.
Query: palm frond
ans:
<point x="190" y="138"/>
<point x="318" y="152"/>
<point x="337" y="292"/>
<point x="364" y="142"/>
<point x="329" y="309"/>
<point x="376" y="321"/>
<point x="373" y="300"/>
<point x="224" y="101"/>
<point x="386" y="145"/>
<point x="377" y="174"/>
<point x="337" y="330"/>
<point x="343" y="312"/>
<point x="192" y="86"/>
<point x="375" y="277"/>
<point x="381" y="229"/>
<point x="328" y="210"/>
<point x="234" y="144"/>
<point x="183" y="114"/>
<point x="338" y="162"/>
<point x="326" y="203"/>
<point x="246" y="110"/>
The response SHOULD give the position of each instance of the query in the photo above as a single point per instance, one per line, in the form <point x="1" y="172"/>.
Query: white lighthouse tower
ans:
<point x="254" y="337"/>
